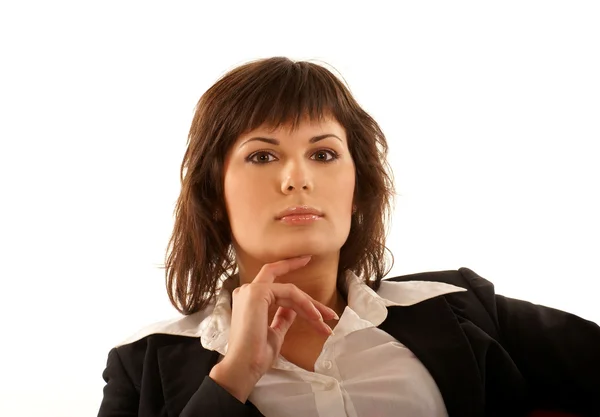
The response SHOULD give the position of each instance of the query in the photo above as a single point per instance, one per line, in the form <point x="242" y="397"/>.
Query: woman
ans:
<point x="284" y="200"/>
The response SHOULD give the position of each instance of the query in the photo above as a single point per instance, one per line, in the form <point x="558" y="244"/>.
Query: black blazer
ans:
<point x="489" y="355"/>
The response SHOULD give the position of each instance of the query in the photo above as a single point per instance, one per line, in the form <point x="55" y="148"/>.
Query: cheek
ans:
<point x="342" y="186"/>
<point x="244" y="198"/>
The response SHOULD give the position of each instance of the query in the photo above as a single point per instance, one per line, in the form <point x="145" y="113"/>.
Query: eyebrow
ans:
<point x="273" y="141"/>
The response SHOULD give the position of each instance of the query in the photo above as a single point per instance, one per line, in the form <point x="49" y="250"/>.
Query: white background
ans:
<point x="491" y="111"/>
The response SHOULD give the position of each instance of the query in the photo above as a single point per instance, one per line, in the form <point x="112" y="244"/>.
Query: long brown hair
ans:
<point x="273" y="92"/>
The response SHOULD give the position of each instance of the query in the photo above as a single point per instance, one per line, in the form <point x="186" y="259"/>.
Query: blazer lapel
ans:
<point x="432" y="332"/>
<point x="429" y="329"/>
<point x="183" y="367"/>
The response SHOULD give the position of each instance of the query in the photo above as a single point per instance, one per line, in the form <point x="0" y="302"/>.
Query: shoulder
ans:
<point x="132" y="352"/>
<point x="462" y="277"/>
<point x="190" y="326"/>
<point x="477" y="304"/>
<point x="478" y="288"/>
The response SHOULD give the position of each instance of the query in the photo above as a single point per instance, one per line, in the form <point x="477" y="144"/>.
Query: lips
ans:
<point x="300" y="211"/>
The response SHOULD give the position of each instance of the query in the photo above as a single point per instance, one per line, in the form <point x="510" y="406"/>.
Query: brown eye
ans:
<point x="260" y="157"/>
<point x="322" y="155"/>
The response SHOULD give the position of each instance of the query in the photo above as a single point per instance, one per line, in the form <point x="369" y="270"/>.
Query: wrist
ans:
<point x="233" y="379"/>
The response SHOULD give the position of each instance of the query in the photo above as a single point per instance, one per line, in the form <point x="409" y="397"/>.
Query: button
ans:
<point x="327" y="364"/>
<point x="330" y="385"/>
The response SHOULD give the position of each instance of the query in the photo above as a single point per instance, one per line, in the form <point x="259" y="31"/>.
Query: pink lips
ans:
<point x="299" y="215"/>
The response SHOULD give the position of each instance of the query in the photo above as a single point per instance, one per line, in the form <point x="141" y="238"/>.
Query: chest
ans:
<point x="341" y="378"/>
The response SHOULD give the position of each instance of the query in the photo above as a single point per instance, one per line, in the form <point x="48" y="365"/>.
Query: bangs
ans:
<point x="279" y="92"/>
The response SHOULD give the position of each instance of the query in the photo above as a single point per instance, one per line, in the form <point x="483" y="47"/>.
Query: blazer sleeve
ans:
<point x="558" y="353"/>
<point x="120" y="396"/>
<point x="211" y="396"/>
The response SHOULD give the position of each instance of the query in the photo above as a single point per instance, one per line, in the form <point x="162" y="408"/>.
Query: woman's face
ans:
<point x="267" y="172"/>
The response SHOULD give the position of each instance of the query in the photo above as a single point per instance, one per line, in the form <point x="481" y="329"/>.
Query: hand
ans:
<point x="254" y="344"/>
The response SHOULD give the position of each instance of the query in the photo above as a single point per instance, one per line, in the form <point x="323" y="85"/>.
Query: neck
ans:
<point x="318" y="279"/>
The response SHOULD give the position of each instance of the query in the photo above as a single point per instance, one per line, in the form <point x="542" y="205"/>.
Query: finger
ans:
<point x="313" y="309"/>
<point x="326" y="312"/>
<point x="291" y="297"/>
<point x="284" y="317"/>
<point x="269" y="272"/>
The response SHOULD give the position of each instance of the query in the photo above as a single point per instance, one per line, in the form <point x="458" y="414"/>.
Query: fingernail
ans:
<point x="335" y="316"/>
<point x="320" y="316"/>
<point x="329" y="329"/>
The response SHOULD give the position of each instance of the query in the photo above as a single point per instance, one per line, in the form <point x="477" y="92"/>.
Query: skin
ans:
<point x="289" y="174"/>
<point x="254" y="345"/>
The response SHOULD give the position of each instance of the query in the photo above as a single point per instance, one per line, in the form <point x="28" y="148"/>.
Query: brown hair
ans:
<point x="273" y="92"/>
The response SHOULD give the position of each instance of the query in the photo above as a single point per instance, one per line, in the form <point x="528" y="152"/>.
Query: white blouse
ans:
<point x="361" y="371"/>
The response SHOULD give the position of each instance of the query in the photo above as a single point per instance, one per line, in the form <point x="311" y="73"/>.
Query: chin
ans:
<point x="284" y="249"/>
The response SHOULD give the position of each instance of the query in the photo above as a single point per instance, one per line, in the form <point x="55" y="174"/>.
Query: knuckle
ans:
<point x="268" y="270"/>
<point x="267" y="267"/>
<point x="237" y="290"/>
<point x="254" y="290"/>
<point x="296" y="292"/>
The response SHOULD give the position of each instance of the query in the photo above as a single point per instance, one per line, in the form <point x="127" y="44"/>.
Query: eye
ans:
<point x="321" y="155"/>
<point x="263" y="157"/>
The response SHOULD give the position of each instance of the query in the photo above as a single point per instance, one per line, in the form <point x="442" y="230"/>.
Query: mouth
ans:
<point x="300" y="219"/>
<point x="299" y="211"/>
<point x="298" y="215"/>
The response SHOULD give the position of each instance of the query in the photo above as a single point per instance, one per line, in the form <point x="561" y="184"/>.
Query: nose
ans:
<point x="296" y="177"/>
